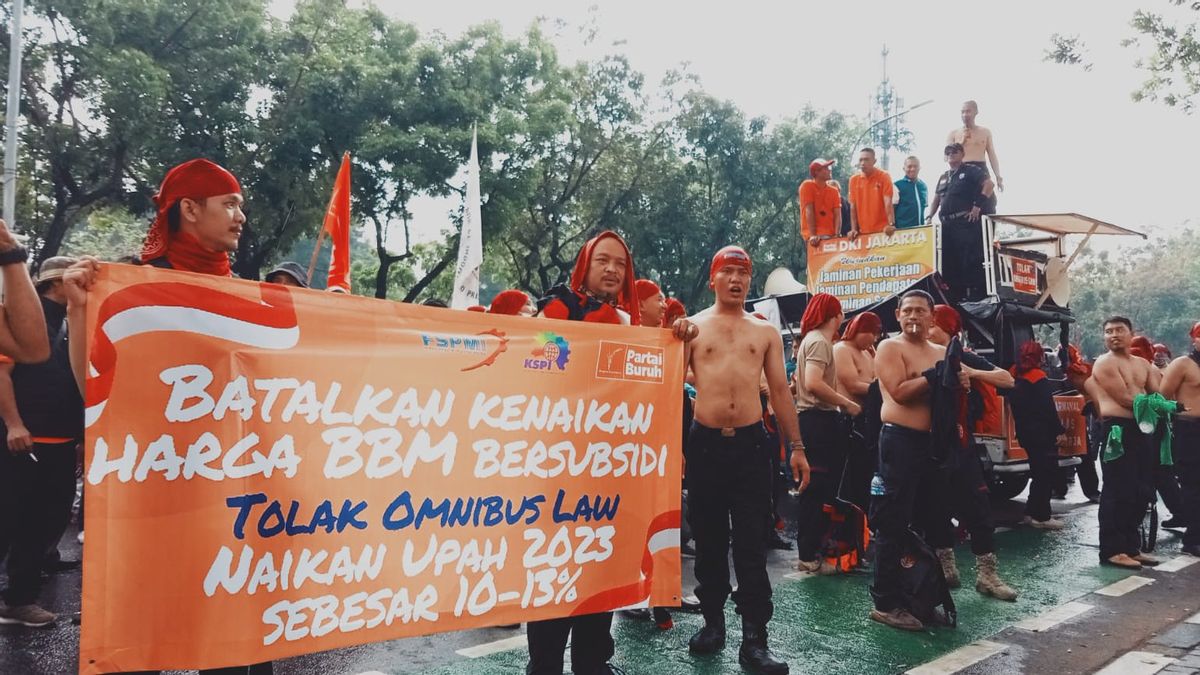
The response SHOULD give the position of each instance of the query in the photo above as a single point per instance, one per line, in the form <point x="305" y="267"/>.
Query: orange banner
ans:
<point x="274" y="471"/>
<point x="1070" y="415"/>
<point x="872" y="267"/>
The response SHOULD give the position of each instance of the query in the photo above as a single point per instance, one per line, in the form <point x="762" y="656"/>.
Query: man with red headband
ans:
<point x="1181" y="382"/>
<point x="1129" y="474"/>
<point x="651" y="303"/>
<point x="601" y="283"/>
<point x="729" y="460"/>
<point x="1162" y="356"/>
<point x="817" y="405"/>
<point x="1039" y="431"/>
<point x="198" y="224"/>
<point x="969" y="501"/>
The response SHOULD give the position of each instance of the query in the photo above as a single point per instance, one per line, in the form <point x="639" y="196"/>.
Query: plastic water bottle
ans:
<point x="877" y="486"/>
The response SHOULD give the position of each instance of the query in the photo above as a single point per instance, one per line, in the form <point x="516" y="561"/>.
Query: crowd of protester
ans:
<point x="875" y="434"/>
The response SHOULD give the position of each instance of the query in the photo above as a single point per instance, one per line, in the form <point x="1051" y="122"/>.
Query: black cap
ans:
<point x="954" y="147"/>
<point x="293" y="270"/>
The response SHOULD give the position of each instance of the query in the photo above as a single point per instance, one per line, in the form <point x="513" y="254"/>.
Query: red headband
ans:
<point x="196" y="179"/>
<point x="1195" y="331"/>
<point x="730" y="255"/>
<point x="947" y="318"/>
<point x="820" y="309"/>
<point x="867" y="322"/>
<point x="646" y="289"/>
<point x="509" y="302"/>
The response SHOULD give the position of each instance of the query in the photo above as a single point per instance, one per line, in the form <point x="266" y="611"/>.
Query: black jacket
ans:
<point x="1034" y="414"/>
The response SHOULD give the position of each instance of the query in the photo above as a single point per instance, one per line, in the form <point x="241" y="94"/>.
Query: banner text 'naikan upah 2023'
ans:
<point x="273" y="471"/>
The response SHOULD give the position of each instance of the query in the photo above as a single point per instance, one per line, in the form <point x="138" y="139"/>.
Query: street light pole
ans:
<point x="12" y="114"/>
<point x="889" y="118"/>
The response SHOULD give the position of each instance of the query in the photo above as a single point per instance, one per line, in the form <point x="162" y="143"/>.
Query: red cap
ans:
<point x="509" y="302"/>
<point x="819" y="164"/>
<point x="646" y="289"/>
<point x="195" y="179"/>
<point x="730" y="255"/>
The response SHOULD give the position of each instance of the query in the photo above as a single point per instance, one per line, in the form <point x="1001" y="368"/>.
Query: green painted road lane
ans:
<point x="821" y="623"/>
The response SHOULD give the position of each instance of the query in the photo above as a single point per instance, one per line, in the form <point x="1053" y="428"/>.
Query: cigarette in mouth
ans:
<point x="912" y="329"/>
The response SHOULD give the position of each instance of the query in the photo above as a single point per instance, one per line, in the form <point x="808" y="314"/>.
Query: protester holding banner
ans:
<point x="871" y="191"/>
<point x="962" y="194"/>
<point x="820" y="204"/>
<point x="968" y="492"/>
<point x="198" y="224"/>
<point x="602" y="282"/>
<point x="729" y="461"/>
<point x="817" y="405"/>
<point x="22" y="330"/>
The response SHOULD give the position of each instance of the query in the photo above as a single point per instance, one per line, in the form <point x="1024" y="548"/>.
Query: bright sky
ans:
<point x="1068" y="140"/>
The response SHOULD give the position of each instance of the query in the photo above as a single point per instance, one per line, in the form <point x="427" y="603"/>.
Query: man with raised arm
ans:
<point x="1129" y="456"/>
<point x="907" y="369"/>
<point x="729" y="461"/>
<point x="1181" y="382"/>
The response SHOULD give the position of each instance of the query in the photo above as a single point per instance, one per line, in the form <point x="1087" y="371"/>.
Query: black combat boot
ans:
<point x="709" y="639"/>
<point x="755" y="655"/>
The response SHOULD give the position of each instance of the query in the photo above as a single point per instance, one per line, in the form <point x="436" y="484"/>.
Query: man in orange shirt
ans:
<point x="871" y="192"/>
<point x="820" y="204"/>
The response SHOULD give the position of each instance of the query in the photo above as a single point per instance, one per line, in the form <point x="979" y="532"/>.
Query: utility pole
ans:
<point x="12" y="115"/>
<point x="882" y="118"/>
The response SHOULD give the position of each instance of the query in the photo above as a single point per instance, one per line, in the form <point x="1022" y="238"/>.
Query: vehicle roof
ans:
<point x="1064" y="223"/>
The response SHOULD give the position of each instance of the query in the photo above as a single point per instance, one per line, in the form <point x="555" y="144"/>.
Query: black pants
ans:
<point x="34" y="498"/>
<point x="861" y="460"/>
<point x="968" y="502"/>
<point x="729" y="483"/>
<point x="989" y="207"/>
<point x="1186" y="451"/>
<point x="962" y="258"/>
<point x="913" y="495"/>
<point x="825" y="447"/>
<point x="1166" y="482"/>
<point x="1128" y="490"/>
<point x="1043" y="467"/>
<point x="591" y="644"/>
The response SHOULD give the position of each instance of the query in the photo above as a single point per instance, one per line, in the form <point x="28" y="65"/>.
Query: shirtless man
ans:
<point x="979" y="148"/>
<point x="729" y="464"/>
<point x="1181" y="382"/>
<point x="905" y="365"/>
<point x="1128" y="479"/>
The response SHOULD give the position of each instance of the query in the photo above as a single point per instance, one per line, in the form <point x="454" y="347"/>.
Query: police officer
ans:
<point x="962" y="195"/>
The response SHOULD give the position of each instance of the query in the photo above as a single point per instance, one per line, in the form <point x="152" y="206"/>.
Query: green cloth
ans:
<point x="1114" y="447"/>
<point x="1151" y="410"/>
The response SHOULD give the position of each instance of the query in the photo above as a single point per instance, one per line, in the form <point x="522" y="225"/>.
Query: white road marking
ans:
<point x="1177" y="563"/>
<point x="1124" y="586"/>
<point x="373" y="672"/>
<point x="514" y="642"/>
<point x="1195" y="618"/>
<point x="1052" y="618"/>
<point x="1137" y="663"/>
<point x="960" y="658"/>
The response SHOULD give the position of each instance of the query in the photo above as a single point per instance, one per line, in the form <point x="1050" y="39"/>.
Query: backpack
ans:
<point x="923" y="583"/>
<point x="846" y="540"/>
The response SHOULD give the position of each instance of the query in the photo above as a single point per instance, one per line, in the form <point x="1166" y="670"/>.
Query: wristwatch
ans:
<point x="12" y="256"/>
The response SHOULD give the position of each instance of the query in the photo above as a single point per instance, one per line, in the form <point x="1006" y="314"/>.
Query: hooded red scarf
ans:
<point x="675" y="310"/>
<point x="625" y="297"/>
<point x="509" y="302"/>
<point x="1141" y="347"/>
<point x="867" y="322"/>
<point x="195" y="179"/>
<point x="821" y="308"/>
<point x="947" y="318"/>
<point x="646" y="289"/>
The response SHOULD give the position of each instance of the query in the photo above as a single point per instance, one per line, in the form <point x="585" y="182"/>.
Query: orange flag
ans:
<point x="337" y="224"/>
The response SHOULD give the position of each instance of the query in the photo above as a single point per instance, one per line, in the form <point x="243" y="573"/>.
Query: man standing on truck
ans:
<point x="820" y="204"/>
<point x="961" y="195"/>
<point x="871" y="190"/>
<point x="1181" y="382"/>
<point x="1128" y="456"/>
<point x="979" y="148"/>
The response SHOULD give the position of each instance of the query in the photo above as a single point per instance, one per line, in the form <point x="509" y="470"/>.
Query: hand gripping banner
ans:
<point x="274" y="471"/>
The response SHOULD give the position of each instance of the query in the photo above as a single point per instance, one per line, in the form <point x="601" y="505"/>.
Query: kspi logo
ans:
<point x="551" y="353"/>
<point x="485" y="347"/>
<point x="634" y="363"/>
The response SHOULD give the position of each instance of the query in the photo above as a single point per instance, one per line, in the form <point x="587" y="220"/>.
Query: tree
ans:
<point x="1172" y="58"/>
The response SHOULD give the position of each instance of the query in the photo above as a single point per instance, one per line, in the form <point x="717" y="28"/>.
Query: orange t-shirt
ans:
<point x="869" y="196"/>
<point x="826" y="201"/>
